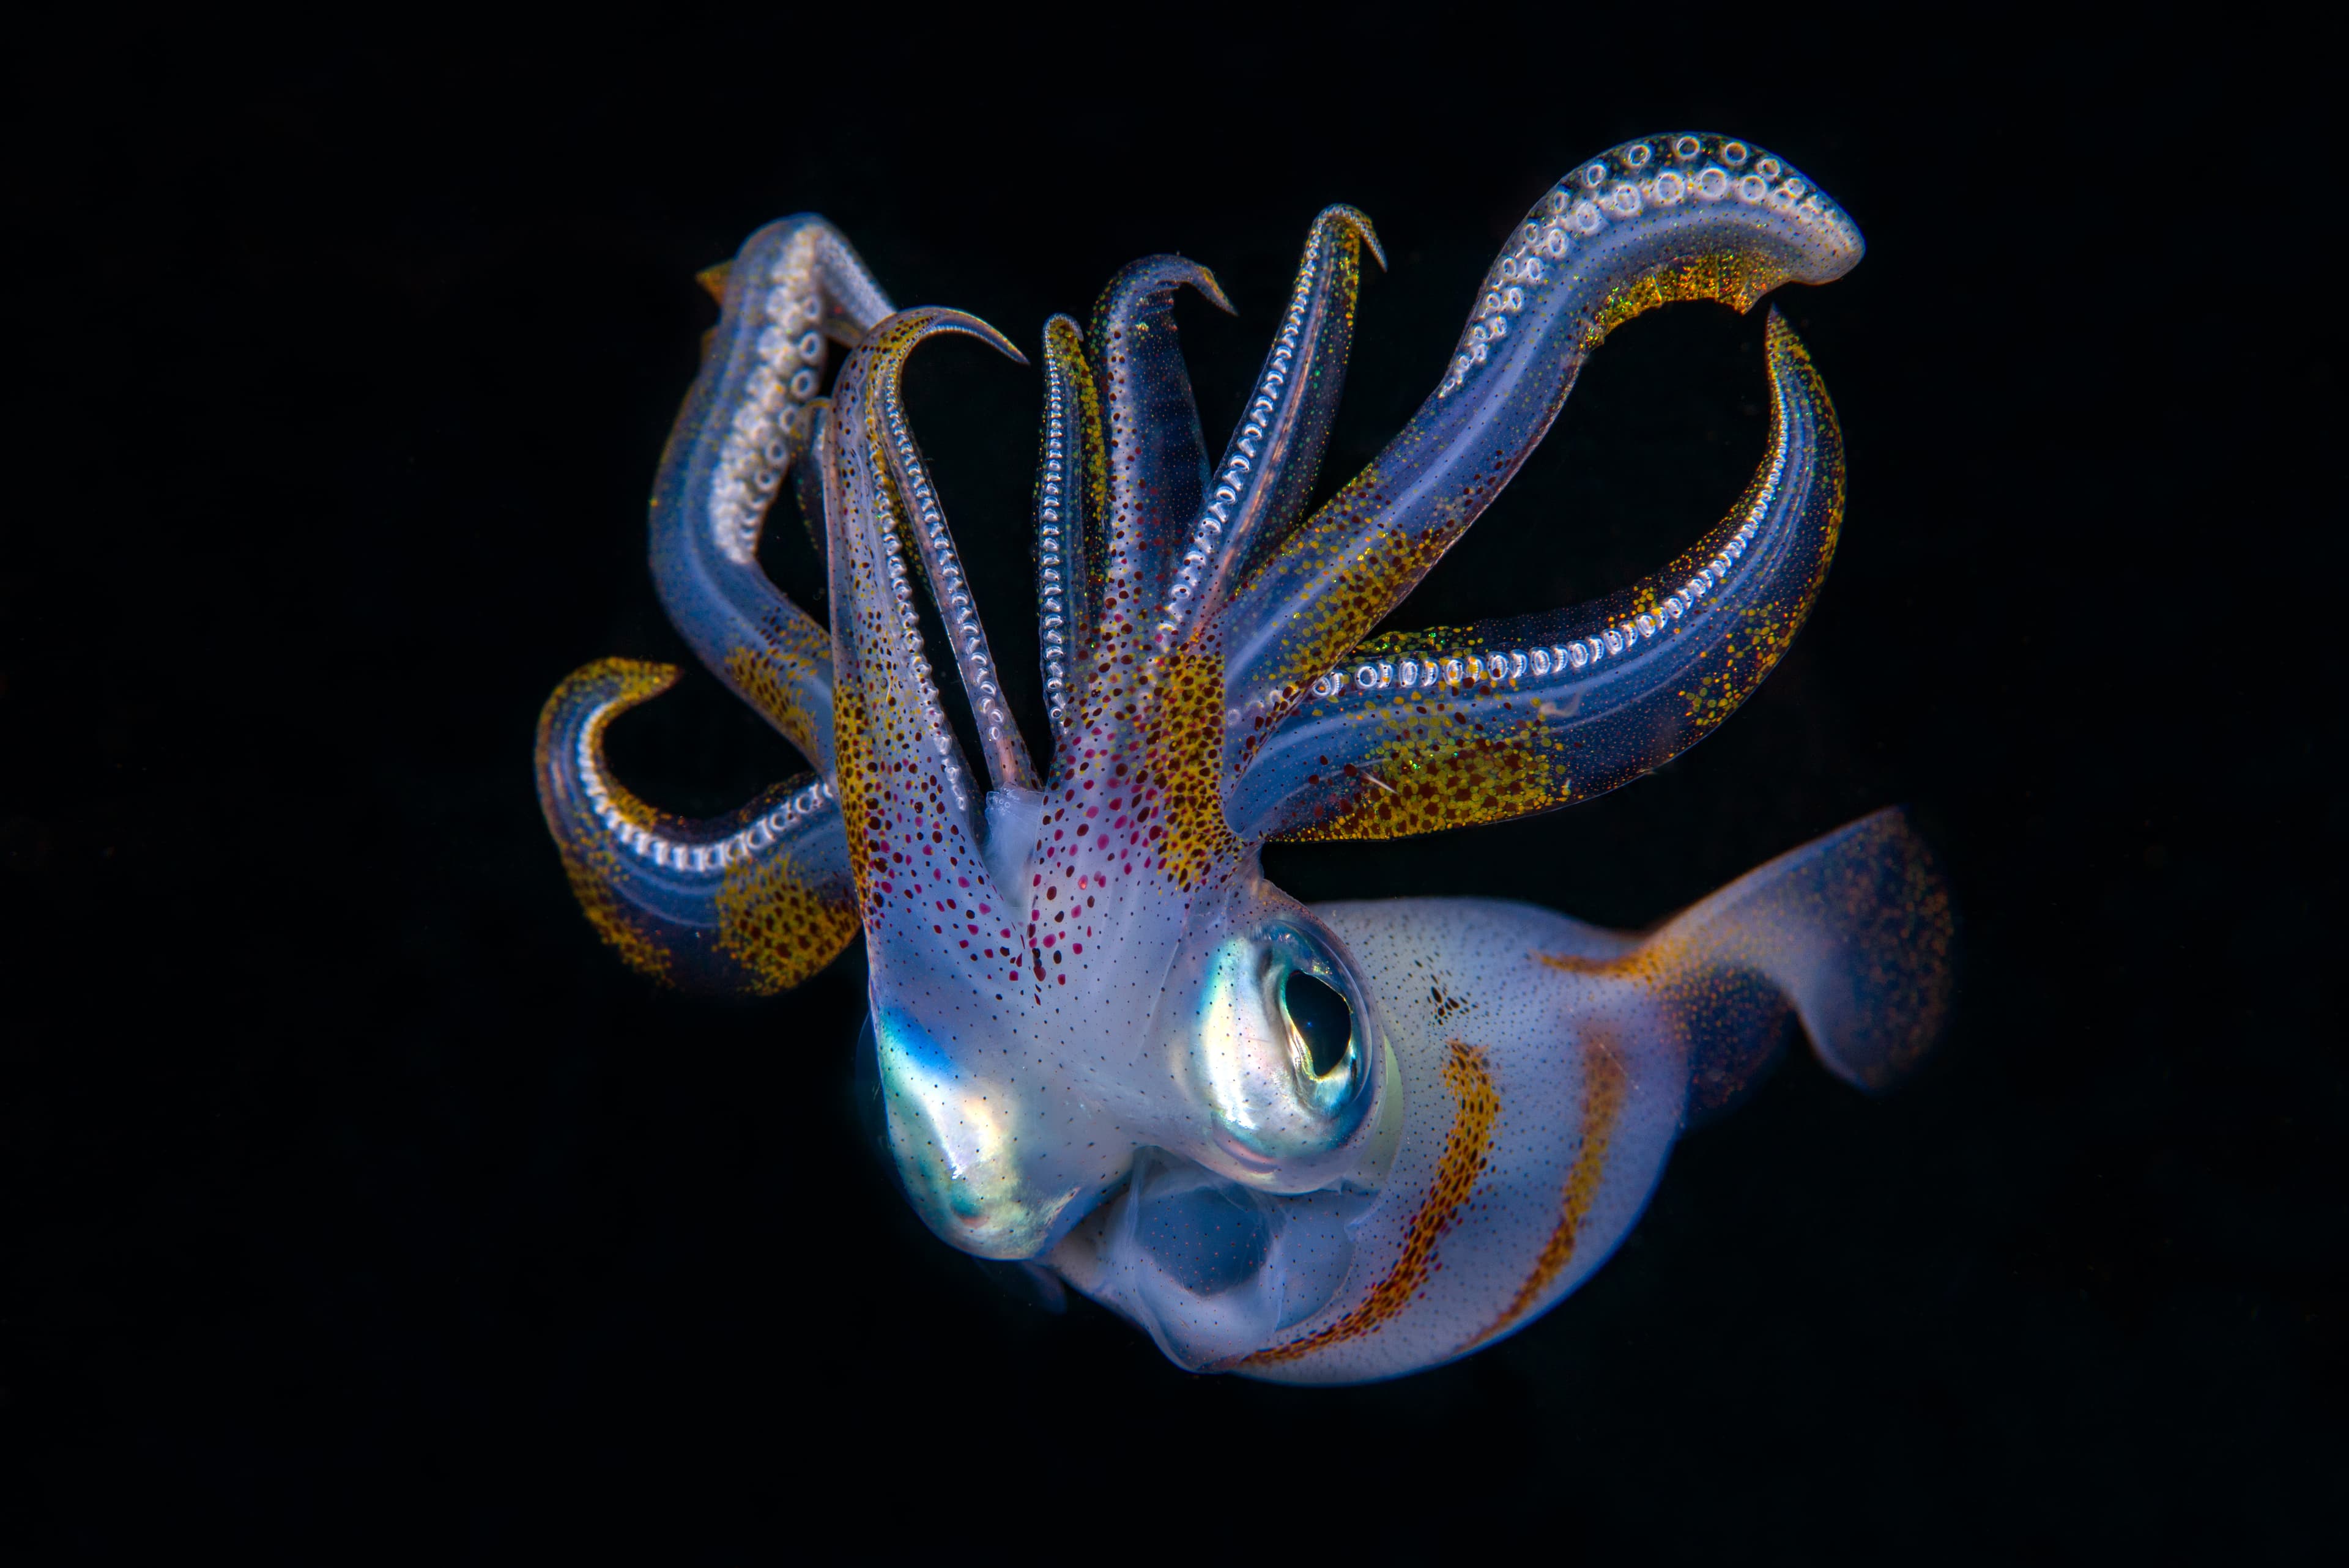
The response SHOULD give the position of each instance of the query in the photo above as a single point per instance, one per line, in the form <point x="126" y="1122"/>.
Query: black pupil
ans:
<point x="1321" y="1017"/>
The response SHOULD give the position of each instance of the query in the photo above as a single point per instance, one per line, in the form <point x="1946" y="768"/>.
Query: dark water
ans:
<point x="355" y="1198"/>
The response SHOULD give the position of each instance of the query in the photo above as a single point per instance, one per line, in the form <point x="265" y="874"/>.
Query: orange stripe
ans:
<point x="1605" y="1086"/>
<point x="1477" y="1106"/>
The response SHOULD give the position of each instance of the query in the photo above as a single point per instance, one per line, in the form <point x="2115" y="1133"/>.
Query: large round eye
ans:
<point x="1320" y="1021"/>
<point x="1277" y="1051"/>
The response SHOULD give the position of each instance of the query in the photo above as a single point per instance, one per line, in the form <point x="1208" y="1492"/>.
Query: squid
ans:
<point x="1317" y="1144"/>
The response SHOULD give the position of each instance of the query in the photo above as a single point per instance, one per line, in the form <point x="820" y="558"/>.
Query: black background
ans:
<point x="356" y="1200"/>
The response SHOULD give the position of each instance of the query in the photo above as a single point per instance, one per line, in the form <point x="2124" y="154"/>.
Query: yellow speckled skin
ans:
<point x="753" y="903"/>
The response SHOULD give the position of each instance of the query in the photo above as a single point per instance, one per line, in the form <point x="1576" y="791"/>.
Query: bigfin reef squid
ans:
<point x="1312" y="1144"/>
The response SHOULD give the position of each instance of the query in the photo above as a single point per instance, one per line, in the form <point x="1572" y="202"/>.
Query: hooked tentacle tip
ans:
<point x="1354" y="218"/>
<point x="1205" y="281"/>
<point x="931" y="321"/>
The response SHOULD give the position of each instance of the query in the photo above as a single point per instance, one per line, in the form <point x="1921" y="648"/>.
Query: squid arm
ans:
<point x="750" y="903"/>
<point x="1155" y="467"/>
<point x="1418" y="731"/>
<point x="756" y="901"/>
<point x="749" y="419"/>
<point x="1650" y="222"/>
<point x="913" y="813"/>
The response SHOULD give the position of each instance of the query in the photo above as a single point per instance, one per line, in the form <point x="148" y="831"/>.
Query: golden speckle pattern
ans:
<point x="1181" y="742"/>
<point x="1446" y="766"/>
<point x="1476" y="1105"/>
<point x="774" y="923"/>
<point x="774" y="677"/>
<point x="591" y="877"/>
<point x="603" y="691"/>
<point x="1766" y="629"/>
<point x="1737" y="279"/>
<point x="1490" y="715"/>
<point x="749" y="902"/>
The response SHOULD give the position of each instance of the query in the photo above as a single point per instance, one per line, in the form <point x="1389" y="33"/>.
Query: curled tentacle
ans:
<point x="1268" y="469"/>
<point x="1664" y="219"/>
<point x="1069" y="492"/>
<point x="1423" y="730"/>
<point x="745" y="423"/>
<point x="1156" y="461"/>
<point x="750" y="903"/>
<point x="908" y="795"/>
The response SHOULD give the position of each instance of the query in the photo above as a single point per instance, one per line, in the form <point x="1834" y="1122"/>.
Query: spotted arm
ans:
<point x="1426" y="730"/>
<point x="1653" y="222"/>
<point x="755" y="900"/>
<point x="750" y="903"/>
<point x="915" y="813"/>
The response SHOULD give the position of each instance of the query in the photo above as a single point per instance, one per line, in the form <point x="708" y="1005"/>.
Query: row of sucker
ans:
<point x="1272" y="385"/>
<point x="1473" y="668"/>
<point x="815" y="283"/>
<point x="1057" y="546"/>
<point x="1655" y="176"/>
<point x="1238" y="505"/>
<point x="671" y="853"/>
<point x="912" y="659"/>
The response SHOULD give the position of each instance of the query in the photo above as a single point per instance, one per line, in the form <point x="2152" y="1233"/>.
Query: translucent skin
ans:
<point x="1317" y="1145"/>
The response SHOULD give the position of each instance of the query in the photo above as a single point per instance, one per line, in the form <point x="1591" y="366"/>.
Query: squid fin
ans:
<point x="1853" y="932"/>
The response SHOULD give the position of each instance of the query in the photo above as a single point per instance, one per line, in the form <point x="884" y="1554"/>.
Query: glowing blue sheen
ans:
<point x="1322" y="1144"/>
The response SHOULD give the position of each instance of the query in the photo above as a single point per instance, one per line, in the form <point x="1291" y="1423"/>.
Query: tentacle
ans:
<point x="1440" y="730"/>
<point x="1269" y="467"/>
<point x="752" y="902"/>
<point x="794" y="283"/>
<point x="1156" y="459"/>
<point x="1069" y="493"/>
<point x="1664" y="219"/>
<point x="911" y="806"/>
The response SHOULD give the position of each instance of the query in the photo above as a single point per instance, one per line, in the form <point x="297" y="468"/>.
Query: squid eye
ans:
<point x="1279" y="1052"/>
<point x="1319" y="1021"/>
